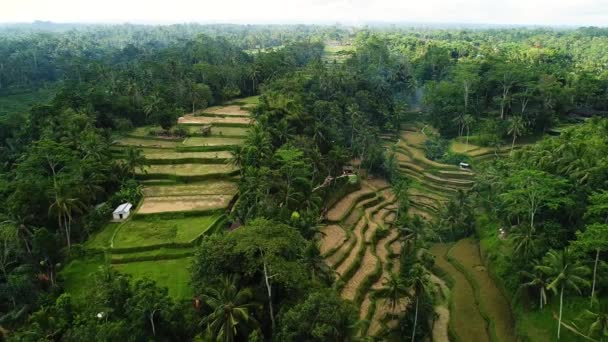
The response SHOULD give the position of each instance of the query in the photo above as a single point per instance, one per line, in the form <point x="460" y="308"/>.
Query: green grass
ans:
<point x="212" y="141"/>
<point x="141" y="142"/>
<point x="229" y="131"/>
<point x="172" y="274"/>
<point x="465" y="319"/>
<point x="102" y="238"/>
<point x="22" y="102"/>
<point x="251" y="100"/>
<point x="493" y="305"/>
<point x="163" y="253"/>
<point x="78" y="275"/>
<point x="148" y="232"/>
<point x="540" y="326"/>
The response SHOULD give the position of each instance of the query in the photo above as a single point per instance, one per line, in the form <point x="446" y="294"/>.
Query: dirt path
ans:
<point x="467" y="322"/>
<point x="492" y="301"/>
<point x="440" y="326"/>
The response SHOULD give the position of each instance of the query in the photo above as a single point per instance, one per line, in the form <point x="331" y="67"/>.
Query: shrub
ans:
<point x="435" y="147"/>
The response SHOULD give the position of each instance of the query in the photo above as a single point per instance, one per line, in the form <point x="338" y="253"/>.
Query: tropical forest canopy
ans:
<point x="263" y="277"/>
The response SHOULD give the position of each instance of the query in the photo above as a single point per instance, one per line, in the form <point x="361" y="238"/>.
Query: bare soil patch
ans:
<point x="204" y="188"/>
<point x="333" y="235"/>
<point x="152" y="205"/>
<point x="227" y="110"/>
<point x="368" y="264"/>
<point x="358" y="232"/>
<point x="345" y="204"/>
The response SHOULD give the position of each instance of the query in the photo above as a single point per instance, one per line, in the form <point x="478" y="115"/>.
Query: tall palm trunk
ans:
<point x="597" y="259"/>
<point x="415" y="320"/>
<point x="561" y="305"/>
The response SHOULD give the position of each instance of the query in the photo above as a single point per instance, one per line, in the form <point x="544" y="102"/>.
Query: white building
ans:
<point x="122" y="212"/>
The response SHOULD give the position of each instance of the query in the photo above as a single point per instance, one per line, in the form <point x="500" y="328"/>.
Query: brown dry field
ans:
<point x="368" y="264"/>
<point x="333" y="259"/>
<point x="377" y="183"/>
<point x="227" y="110"/>
<point x="333" y="236"/>
<point x="338" y="210"/>
<point x="216" y="187"/>
<point x="423" y="214"/>
<point x="152" y="205"/>
<point x="202" y="120"/>
<point x="382" y="254"/>
<point x="358" y="234"/>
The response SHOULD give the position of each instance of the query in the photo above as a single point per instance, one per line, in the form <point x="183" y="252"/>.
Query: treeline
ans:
<point x="43" y="53"/>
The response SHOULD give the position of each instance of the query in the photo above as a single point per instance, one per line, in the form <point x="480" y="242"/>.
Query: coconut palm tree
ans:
<point x="230" y="311"/>
<point x="64" y="207"/>
<point x="563" y="273"/>
<point x="419" y="289"/>
<point x="524" y="239"/>
<point x="393" y="289"/>
<point x="134" y="160"/>
<point x="467" y="121"/>
<point x="598" y="320"/>
<point x="517" y="127"/>
<point x="536" y="279"/>
<point x="315" y="263"/>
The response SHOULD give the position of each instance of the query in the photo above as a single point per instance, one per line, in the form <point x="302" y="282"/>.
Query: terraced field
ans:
<point x="358" y="244"/>
<point x="477" y="309"/>
<point x="187" y="188"/>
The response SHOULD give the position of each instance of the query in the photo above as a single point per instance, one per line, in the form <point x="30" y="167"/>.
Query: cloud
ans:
<point x="540" y="12"/>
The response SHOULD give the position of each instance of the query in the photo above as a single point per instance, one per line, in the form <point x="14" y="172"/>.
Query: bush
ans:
<point x="435" y="147"/>
<point x="130" y="191"/>
<point x="454" y="158"/>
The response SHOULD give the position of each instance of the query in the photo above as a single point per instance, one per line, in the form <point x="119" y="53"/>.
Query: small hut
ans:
<point x="464" y="165"/>
<point x="122" y="211"/>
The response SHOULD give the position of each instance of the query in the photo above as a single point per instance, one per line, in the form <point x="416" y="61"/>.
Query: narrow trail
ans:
<point x="466" y="320"/>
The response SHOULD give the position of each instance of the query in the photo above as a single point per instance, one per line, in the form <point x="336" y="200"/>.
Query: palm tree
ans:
<point x="459" y="119"/>
<point x="64" y="207"/>
<point x="238" y="155"/>
<point x="524" y="239"/>
<point x="419" y="288"/>
<point x="563" y="273"/>
<point x="517" y="127"/>
<point x="536" y="279"/>
<point x="313" y="260"/>
<point x="230" y="311"/>
<point x="598" y="320"/>
<point x="393" y="289"/>
<point x="134" y="159"/>
<point x="468" y="120"/>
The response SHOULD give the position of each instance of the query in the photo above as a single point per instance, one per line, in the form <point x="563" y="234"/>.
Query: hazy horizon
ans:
<point x="346" y="12"/>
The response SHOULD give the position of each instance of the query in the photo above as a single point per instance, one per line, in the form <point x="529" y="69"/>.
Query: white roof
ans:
<point x="123" y="208"/>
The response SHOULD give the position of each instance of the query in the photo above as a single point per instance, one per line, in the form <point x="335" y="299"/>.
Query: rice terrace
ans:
<point x="185" y="195"/>
<point x="400" y="171"/>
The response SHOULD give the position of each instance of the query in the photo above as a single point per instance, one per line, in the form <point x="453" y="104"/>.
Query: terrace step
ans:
<point x="163" y="253"/>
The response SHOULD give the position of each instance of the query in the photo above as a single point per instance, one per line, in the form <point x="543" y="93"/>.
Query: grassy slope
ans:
<point x="144" y="232"/>
<point x="172" y="274"/>
<point x="466" y="320"/>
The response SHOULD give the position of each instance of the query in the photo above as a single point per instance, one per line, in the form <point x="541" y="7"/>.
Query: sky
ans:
<point x="348" y="12"/>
